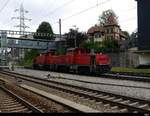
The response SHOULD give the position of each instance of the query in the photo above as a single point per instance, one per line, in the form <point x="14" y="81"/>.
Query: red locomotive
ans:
<point x="75" y="60"/>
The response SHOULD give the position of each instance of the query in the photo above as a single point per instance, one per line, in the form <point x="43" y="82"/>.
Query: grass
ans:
<point x="121" y="69"/>
<point x="28" y="63"/>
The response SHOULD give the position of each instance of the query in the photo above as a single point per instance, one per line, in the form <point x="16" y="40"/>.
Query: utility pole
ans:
<point x="76" y="31"/>
<point x="22" y="19"/>
<point x="60" y="27"/>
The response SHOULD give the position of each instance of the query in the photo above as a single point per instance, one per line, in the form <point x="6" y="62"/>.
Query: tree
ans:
<point x="29" y="57"/>
<point x="98" y="48"/>
<point x="44" y="27"/>
<point x="103" y="19"/>
<point x="126" y="34"/>
<point x="110" y="45"/>
<point x="61" y="51"/>
<point x="74" y="34"/>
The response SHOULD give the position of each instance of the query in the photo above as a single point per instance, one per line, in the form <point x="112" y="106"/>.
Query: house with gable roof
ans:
<point x="111" y="30"/>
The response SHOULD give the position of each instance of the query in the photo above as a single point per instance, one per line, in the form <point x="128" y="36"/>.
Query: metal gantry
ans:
<point x="11" y="32"/>
<point x="5" y="45"/>
<point x="3" y="48"/>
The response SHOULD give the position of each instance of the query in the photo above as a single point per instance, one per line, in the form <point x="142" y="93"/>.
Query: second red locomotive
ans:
<point x="75" y="60"/>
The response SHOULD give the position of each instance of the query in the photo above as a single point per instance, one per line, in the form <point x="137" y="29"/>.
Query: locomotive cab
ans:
<point x="76" y="51"/>
<point x="51" y="53"/>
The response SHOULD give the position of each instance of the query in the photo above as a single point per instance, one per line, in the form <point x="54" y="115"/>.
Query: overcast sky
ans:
<point x="82" y="13"/>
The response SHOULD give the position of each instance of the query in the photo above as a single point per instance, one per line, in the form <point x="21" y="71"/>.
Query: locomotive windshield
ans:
<point x="76" y="51"/>
<point x="82" y="51"/>
<point x="69" y="52"/>
<point x="52" y="53"/>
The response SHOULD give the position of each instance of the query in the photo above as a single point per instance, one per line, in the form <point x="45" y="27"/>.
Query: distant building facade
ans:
<point x="111" y="30"/>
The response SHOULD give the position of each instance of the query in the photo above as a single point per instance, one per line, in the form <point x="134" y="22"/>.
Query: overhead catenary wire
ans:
<point x="78" y="13"/>
<point x="4" y="5"/>
<point x="53" y="11"/>
<point x="129" y="19"/>
<point x="49" y="3"/>
<point x="87" y="10"/>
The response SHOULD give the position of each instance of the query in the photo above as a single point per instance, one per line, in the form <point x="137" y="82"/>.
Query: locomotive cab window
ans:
<point x="47" y="54"/>
<point x="69" y="52"/>
<point x="75" y="51"/>
<point x="52" y="53"/>
<point x="82" y="51"/>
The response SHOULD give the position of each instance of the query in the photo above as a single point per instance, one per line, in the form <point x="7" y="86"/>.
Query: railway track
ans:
<point x="138" y="74"/>
<point x="109" y="101"/>
<point x="126" y="77"/>
<point x="142" y="77"/>
<point x="11" y="103"/>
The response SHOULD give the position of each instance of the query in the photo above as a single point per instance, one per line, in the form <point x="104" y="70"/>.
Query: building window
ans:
<point x="97" y="35"/>
<point x="109" y="30"/>
<point x="117" y="37"/>
<point x="109" y="37"/>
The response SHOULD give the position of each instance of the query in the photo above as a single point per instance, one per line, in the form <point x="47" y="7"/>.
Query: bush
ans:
<point x="29" y="57"/>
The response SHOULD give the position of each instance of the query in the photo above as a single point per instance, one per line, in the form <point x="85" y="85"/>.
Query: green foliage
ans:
<point x="110" y="45"/>
<point x="29" y="57"/>
<point x="107" y="45"/>
<point x="74" y="34"/>
<point x="126" y="34"/>
<point x="121" y="69"/>
<point x="103" y="19"/>
<point x="61" y="51"/>
<point x="45" y="27"/>
<point x="92" y="45"/>
<point x="31" y="54"/>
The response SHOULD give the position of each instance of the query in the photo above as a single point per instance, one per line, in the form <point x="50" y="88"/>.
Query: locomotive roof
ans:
<point x="73" y="49"/>
<point x="53" y="49"/>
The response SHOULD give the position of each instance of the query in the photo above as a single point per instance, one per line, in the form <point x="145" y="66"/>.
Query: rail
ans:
<point x="123" y="103"/>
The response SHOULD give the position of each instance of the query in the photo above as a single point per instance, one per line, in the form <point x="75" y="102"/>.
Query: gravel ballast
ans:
<point x="135" y="91"/>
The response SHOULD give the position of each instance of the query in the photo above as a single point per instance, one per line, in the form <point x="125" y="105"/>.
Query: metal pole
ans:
<point x="60" y="27"/>
<point x="3" y="48"/>
<point x="76" y="31"/>
<point x="75" y="40"/>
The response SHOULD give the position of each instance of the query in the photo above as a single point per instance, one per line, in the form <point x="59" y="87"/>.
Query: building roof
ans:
<point x="108" y="25"/>
<point x="95" y="29"/>
<point x="111" y="21"/>
<point x="122" y="34"/>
